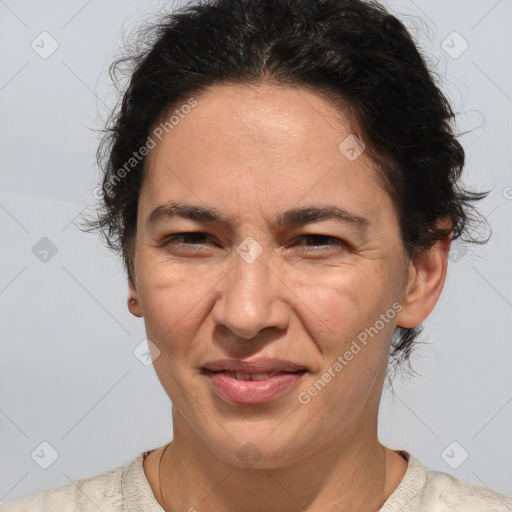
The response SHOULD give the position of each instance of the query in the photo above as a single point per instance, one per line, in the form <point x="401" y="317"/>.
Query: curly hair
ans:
<point x="352" y="51"/>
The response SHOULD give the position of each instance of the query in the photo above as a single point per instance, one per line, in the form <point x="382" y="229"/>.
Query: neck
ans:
<point x="341" y="476"/>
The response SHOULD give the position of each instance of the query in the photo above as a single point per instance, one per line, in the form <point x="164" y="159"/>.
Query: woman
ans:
<point x="282" y="182"/>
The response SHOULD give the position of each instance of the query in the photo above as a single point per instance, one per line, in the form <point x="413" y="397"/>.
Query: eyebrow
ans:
<point x="293" y="217"/>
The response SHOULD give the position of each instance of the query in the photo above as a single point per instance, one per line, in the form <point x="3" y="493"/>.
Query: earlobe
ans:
<point x="133" y="299"/>
<point x="427" y="276"/>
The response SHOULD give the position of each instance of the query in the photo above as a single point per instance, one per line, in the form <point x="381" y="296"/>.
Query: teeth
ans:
<point x="250" y="376"/>
<point x="259" y="376"/>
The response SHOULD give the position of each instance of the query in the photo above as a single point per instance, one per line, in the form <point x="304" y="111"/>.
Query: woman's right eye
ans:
<point x="189" y="244"/>
<point x="189" y="238"/>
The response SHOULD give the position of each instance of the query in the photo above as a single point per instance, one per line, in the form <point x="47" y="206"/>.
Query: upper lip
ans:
<point x="260" y="365"/>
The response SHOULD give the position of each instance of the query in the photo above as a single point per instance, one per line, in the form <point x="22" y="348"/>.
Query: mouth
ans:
<point x="255" y="376"/>
<point x="254" y="382"/>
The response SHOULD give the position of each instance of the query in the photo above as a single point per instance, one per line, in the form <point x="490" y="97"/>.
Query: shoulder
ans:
<point x="451" y="493"/>
<point x="435" y="491"/>
<point x="103" y="491"/>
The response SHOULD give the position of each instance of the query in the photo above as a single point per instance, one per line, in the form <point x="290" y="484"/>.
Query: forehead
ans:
<point x="262" y="117"/>
<point x="260" y="146"/>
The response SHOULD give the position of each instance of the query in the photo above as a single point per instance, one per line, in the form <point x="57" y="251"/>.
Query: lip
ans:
<point x="285" y="375"/>
<point x="257" y="365"/>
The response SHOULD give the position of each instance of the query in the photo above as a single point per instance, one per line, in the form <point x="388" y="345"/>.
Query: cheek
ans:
<point x="174" y="300"/>
<point x="342" y="301"/>
<point x="353" y="341"/>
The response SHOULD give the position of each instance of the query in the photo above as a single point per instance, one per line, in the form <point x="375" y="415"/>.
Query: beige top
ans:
<point x="126" y="489"/>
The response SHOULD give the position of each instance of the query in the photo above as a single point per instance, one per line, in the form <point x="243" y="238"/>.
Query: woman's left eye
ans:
<point x="321" y="240"/>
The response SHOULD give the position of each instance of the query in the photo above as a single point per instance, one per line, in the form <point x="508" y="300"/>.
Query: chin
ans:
<point x="260" y="451"/>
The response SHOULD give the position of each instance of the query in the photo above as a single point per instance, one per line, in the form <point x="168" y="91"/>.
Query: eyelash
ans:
<point x="196" y="234"/>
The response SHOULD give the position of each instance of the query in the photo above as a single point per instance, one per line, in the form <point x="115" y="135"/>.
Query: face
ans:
<point x="292" y="252"/>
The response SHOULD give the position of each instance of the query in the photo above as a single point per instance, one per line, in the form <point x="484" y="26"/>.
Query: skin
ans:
<point x="252" y="153"/>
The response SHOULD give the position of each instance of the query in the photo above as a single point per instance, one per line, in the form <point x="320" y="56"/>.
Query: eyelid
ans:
<point x="183" y="234"/>
<point x="338" y="241"/>
<point x="320" y="235"/>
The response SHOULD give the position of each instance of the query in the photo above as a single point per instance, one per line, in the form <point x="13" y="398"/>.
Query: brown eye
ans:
<point x="315" y="241"/>
<point x="190" y="238"/>
<point x="188" y="243"/>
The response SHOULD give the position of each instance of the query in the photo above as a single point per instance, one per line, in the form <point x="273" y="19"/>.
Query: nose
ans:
<point x="252" y="298"/>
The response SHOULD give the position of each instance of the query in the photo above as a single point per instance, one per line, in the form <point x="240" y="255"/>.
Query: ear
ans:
<point x="427" y="274"/>
<point x="133" y="298"/>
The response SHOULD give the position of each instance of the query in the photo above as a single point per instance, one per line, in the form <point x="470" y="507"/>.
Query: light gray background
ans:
<point x="68" y="375"/>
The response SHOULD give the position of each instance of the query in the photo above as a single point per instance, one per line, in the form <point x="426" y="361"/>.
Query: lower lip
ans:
<point x="253" y="392"/>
